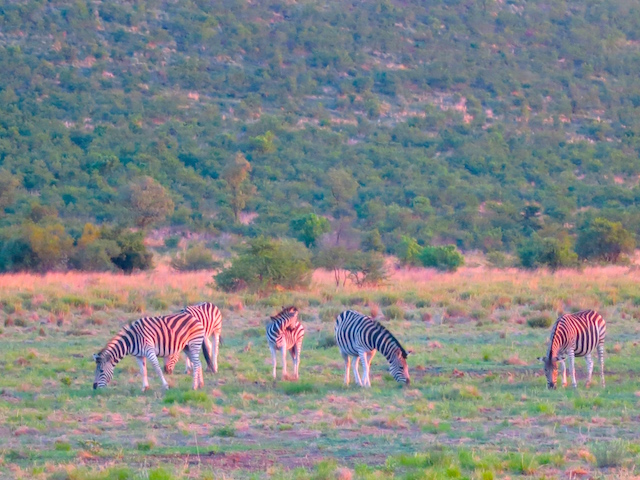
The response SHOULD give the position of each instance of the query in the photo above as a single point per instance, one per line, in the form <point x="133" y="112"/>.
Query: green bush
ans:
<point x="266" y="264"/>
<point x="133" y="253"/>
<point x="604" y="240"/>
<point x="196" y="257"/>
<point x="96" y="256"/>
<point x="366" y="268"/>
<point x="540" y="321"/>
<point x="309" y="228"/>
<point x="393" y="312"/>
<point x="446" y="258"/>
<point x="550" y="252"/>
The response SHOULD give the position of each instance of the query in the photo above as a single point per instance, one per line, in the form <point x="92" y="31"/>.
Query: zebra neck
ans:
<point x="388" y="348"/>
<point x="120" y="345"/>
<point x="282" y="323"/>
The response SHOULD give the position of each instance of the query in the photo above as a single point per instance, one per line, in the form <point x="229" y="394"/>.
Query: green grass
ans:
<point x="477" y="407"/>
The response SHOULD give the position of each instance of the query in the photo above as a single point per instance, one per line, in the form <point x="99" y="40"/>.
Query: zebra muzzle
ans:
<point x="95" y="386"/>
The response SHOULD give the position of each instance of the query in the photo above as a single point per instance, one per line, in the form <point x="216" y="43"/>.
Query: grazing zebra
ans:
<point x="285" y="332"/>
<point x="359" y="336"/>
<point x="575" y="335"/>
<point x="150" y="338"/>
<point x="211" y="319"/>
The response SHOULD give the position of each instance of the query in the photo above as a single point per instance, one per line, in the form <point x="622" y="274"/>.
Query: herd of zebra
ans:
<point x="357" y="336"/>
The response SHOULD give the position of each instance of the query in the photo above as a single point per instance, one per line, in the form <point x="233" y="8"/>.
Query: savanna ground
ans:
<point x="477" y="406"/>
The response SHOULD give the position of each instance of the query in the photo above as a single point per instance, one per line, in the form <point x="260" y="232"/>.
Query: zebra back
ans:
<point x="209" y="315"/>
<point x="168" y="334"/>
<point x="582" y="331"/>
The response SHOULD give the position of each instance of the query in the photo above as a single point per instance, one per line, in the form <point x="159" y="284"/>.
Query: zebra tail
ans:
<point x="207" y="356"/>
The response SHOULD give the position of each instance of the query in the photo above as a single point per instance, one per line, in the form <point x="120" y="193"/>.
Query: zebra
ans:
<point x="211" y="319"/>
<point x="359" y="336"/>
<point x="285" y="332"/>
<point x="575" y="335"/>
<point x="150" y="338"/>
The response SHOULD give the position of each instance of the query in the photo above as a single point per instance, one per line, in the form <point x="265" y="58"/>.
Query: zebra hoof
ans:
<point x="144" y="389"/>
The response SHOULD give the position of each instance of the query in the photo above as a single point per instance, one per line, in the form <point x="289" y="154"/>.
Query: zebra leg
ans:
<point x="297" y="362"/>
<point x="193" y="351"/>
<point x="213" y="348"/>
<point x="366" y="381"/>
<point x="187" y="364"/>
<point x="372" y="353"/>
<point x="564" y="373"/>
<point x="151" y="355"/>
<point x="142" y="362"/>
<point x="347" y="367"/>
<point x="572" y="365"/>
<point x="273" y="358"/>
<point x="601" y="361"/>
<point x="284" y="361"/>
<point x="356" y="374"/>
<point x="589" y="368"/>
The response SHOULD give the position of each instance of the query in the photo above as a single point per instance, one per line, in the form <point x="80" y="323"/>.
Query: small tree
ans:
<point x="446" y="258"/>
<point x="604" y="240"/>
<point x="372" y="242"/>
<point x="266" y="264"/>
<point x="8" y="186"/>
<point x="236" y="175"/>
<point x="550" y="252"/>
<point x="133" y="253"/>
<point x="366" y="268"/>
<point x="334" y="259"/>
<point x="309" y="228"/>
<point x="409" y="251"/>
<point x="51" y="244"/>
<point x="149" y="201"/>
<point x="196" y="257"/>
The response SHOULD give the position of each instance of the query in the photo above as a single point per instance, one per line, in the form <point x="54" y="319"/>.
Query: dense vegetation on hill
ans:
<point x="474" y="123"/>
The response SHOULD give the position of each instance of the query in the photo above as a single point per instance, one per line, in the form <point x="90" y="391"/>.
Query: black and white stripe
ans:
<point x="285" y="332"/>
<point x="211" y="319"/>
<point x="575" y="335"/>
<point x="150" y="338"/>
<point x="359" y="336"/>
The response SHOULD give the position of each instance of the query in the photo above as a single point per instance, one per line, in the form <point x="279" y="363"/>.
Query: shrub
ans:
<point x="327" y="341"/>
<point x="366" y="268"/>
<point x="172" y="242"/>
<point x="96" y="256"/>
<point x="610" y="454"/>
<point x="446" y="258"/>
<point x="551" y="252"/>
<point x="393" y="312"/>
<point x="408" y="251"/>
<point x="196" y="257"/>
<point x="309" y="228"/>
<point x="225" y="431"/>
<point x="541" y="321"/>
<point x="266" y="264"/>
<point x="329" y="314"/>
<point x="133" y="253"/>
<point x="604" y="240"/>
<point x="388" y="299"/>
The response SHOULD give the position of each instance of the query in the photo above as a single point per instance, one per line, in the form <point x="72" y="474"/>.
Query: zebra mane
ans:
<point x="554" y="329"/>
<point x="393" y="339"/>
<point x="285" y="310"/>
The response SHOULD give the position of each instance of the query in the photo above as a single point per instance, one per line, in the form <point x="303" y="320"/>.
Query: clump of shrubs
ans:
<point x="196" y="257"/>
<point x="393" y="312"/>
<point x="540" y="321"/>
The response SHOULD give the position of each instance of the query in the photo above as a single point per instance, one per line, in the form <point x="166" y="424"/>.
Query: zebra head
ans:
<point x="104" y="370"/>
<point x="550" y="371"/>
<point x="289" y="313"/>
<point x="398" y="368"/>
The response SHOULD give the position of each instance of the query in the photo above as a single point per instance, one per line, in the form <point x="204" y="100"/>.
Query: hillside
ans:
<point x="439" y="121"/>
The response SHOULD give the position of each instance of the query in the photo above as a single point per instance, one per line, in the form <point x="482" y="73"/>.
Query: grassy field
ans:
<point x="477" y="407"/>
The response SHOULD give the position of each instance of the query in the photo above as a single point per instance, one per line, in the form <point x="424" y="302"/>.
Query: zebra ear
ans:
<point x="95" y="357"/>
<point x="541" y="359"/>
<point x="409" y="352"/>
